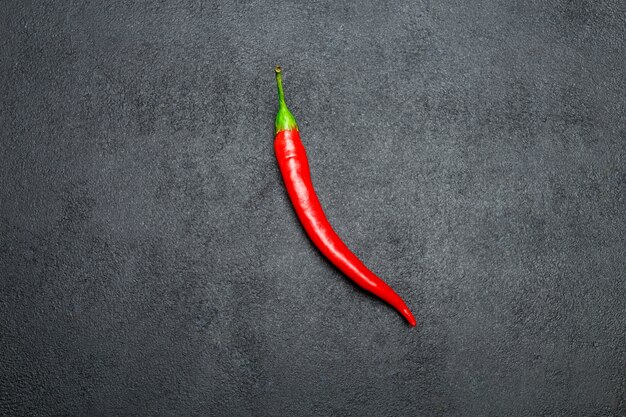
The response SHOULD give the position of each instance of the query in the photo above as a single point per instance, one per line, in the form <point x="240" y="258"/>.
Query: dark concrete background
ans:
<point x="472" y="153"/>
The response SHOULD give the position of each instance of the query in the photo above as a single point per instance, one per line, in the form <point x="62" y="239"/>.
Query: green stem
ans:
<point x="284" y="118"/>
<point x="279" y="83"/>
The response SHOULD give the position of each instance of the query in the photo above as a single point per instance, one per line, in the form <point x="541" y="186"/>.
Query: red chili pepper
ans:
<point x="294" y="168"/>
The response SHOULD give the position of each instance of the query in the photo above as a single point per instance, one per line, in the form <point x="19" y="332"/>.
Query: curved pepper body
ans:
<point x="294" y="168"/>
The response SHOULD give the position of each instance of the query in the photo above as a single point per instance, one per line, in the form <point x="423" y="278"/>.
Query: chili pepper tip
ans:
<point x="409" y="316"/>
<point x="278" y="69"/>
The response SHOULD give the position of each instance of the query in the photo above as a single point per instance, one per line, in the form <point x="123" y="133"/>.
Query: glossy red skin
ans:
<point x="294" y="168"/>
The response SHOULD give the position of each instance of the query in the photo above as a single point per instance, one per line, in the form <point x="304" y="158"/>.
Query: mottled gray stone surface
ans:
<point x="472" y="153"/>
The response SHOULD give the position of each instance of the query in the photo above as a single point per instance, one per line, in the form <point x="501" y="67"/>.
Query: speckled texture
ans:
<point x="472" y="153"/>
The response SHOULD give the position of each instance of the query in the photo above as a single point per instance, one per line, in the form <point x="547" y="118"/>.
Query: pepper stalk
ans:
<point x="284" y="118"/>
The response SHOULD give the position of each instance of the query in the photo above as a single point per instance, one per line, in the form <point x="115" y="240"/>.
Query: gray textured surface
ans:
<point x="474" y="155"/>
